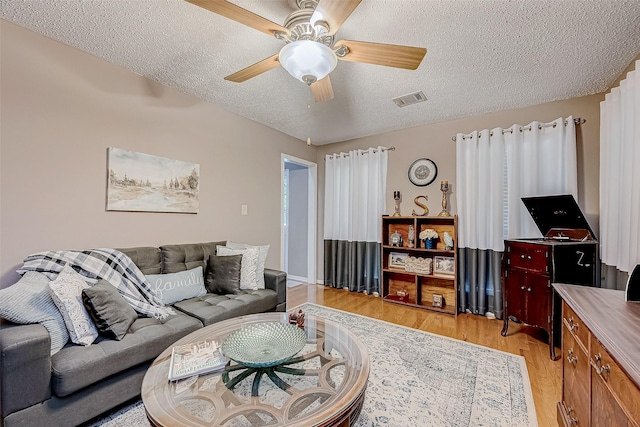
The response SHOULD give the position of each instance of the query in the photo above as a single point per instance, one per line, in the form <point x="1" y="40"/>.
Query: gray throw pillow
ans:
<point x="110" y="312"/>
<point x="29" y="301"/>
<point x="223" y="275"/>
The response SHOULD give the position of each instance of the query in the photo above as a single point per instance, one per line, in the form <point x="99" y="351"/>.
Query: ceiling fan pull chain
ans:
<point x="309" y="117"/>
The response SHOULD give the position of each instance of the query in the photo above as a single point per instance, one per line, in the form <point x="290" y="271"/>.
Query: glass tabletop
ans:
<point x="321" y="385"/>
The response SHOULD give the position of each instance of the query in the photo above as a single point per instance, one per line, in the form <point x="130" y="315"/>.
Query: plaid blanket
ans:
<point x="97" y="264"/>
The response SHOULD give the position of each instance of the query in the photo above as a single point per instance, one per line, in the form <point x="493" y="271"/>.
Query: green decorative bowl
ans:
<point x="264" y="344"/>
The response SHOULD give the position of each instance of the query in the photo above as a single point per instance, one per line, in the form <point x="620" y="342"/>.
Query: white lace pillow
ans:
<point x="248" y="267"/>
<point x="262" y="258"/>
<point x="66" y="292"/>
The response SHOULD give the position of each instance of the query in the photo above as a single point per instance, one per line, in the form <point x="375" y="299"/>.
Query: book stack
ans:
<point x="188" y="360"/>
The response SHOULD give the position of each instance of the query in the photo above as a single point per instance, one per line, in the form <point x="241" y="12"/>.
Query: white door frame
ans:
<point x="311" y="220"/>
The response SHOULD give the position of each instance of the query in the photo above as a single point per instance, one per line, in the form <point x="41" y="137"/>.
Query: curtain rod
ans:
<point x="392" y="148"/>
<point x="577" y="121"/>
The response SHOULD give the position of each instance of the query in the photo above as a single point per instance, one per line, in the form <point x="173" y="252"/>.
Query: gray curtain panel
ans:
<point x="352" y="265"/>
<point x="479" y="281"/>
<point x="612" y="278"/>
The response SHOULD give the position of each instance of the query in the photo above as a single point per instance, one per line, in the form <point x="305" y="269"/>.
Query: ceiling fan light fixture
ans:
<point x="307" y="60"/>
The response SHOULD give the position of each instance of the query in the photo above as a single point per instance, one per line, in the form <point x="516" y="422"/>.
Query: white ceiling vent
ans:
<point x="412" y="98"/>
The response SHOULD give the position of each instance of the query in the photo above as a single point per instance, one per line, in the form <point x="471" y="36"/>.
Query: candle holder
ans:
<point x="444" y="187"/>
<point x="396" y="197"/>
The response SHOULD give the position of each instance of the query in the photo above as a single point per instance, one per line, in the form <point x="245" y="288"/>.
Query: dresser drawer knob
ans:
<point x="529" y="289"/>
<point x="573" y="325"/>
<point x="596" y="364"/>
<point x="522" y="287"/>
<point x="523" y="256"/>
<point x="570" y="357"/>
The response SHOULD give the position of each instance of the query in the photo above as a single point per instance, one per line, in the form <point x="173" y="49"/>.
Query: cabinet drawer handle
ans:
<point x="600" y="370"/>
<point x="573" y="420"/>
<point x="570" y="357"/>
<point x="529" y="289"/>
<point x="573" y="325"/>
<point x="522" y="288"/>
<point x="523" y="256"/>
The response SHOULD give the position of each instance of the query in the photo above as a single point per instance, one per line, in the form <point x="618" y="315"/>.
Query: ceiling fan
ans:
<point x="310" y="53"/>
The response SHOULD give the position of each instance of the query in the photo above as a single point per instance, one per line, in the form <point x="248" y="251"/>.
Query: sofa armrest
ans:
<point x="25" y="366"/>
<point x="277" y="280"/>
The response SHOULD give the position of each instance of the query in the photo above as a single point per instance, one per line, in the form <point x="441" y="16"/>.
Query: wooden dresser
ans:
<point x="601" y="358"/>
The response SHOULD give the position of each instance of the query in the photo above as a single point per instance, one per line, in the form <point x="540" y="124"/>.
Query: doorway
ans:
<point x="298" y="219"/>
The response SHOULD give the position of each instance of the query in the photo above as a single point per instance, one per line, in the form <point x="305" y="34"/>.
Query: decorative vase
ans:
<point x="429" y="243"/>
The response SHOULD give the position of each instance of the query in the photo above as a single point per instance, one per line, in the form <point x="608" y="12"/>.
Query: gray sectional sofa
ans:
<point x="79" y="383"/>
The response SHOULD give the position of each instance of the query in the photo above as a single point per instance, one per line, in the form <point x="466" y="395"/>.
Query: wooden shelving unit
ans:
<point x="420" y="288"/>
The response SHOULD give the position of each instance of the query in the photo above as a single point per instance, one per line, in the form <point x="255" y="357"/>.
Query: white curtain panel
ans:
<point x="540" y="162"/>
<point x="480" y="189"/>
<point x="495" y="169"/>
<point x="355" y="190"/>
<point x="620" y="174"/>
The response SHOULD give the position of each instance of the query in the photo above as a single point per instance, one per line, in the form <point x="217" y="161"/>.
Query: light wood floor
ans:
<point x="544" y="374"/>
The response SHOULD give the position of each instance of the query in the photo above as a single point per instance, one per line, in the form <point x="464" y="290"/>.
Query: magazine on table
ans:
<point x="194" y="359"/>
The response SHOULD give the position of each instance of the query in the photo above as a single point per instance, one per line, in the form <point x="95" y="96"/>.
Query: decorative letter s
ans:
<point x="423" y="206"/>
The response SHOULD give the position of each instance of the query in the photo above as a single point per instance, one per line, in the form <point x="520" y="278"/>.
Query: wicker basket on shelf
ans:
<point x="419" y="265"/>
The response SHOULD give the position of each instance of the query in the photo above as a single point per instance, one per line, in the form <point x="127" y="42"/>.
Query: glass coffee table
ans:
<point x="323" y="385"/>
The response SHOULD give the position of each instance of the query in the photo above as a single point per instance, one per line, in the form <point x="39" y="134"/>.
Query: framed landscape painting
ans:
<point x="145" y="183"/>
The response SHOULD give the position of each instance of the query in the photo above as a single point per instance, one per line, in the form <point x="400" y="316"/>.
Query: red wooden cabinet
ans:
<point x="530" y="267"/>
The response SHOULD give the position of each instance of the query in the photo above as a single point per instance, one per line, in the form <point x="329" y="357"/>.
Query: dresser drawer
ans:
<point x="575" y="326"/>
<point x="623" y="389"/>
<point x="575" y="386"/>
<point x="529" y="257"/>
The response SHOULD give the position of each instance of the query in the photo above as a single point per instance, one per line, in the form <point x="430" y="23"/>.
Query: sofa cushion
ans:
<point x="29" y="301"/>
<point x="174" y="287"/>
<point x="75" y="367"/>
<point x="223" y="275"/>
<point x="263" y="251"/>
<point x="147" y="258"/>
<point x="185" y="257"/>
<point x="66" y="291"/>
<point x="213" y="308"/>
<point x="249" y="265"/>
<point x="110" y="312"/>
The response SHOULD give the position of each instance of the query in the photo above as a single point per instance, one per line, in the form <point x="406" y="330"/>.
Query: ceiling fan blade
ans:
<point x="238" y="14"/>
<point x="322" y="90"/>
<point x="390" y="55"/>
<point x="255" y="69"/>
<point x="334" y="12"/>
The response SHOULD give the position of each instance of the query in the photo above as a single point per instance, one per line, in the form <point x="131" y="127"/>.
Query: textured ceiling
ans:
<point x="482" y="56"/>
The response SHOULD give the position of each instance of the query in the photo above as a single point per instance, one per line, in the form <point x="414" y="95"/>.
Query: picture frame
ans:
<point x="397" y="260"/>
<point x="139" y="182"/>
<point x="438" y="300"/>
<point x="444" y="265"/>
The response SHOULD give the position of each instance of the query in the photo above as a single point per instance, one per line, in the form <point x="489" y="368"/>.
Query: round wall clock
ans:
<point x="422" y="172"/>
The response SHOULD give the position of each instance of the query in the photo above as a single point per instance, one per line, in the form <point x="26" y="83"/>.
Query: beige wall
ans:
<point x="61" y="109"/>
<point x="434" y="142"/>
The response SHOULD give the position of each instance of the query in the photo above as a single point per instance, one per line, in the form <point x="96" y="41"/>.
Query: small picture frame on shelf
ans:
<point x="444" y="265"/>
<point x="437" y="300"/>
<point x="397" y="260"/>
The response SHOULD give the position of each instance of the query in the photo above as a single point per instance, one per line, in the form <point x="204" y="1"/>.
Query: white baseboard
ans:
<point x="320" y="282"/>
<point x="297" y="278"/>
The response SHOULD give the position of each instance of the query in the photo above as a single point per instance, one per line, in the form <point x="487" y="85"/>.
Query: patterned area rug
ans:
<point x="420" y="379"/>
